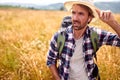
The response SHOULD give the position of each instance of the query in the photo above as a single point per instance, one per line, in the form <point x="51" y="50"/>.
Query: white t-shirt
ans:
<point x="77" y="63"/>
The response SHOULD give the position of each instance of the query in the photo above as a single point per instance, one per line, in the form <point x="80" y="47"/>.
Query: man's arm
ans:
<point x="52" y="57"/>
<point x="108" y="18"/>
<point x="54" y="71"/>
<point x="116" y="26"/>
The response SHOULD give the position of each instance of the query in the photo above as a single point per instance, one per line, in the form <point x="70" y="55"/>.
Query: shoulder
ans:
<point x="97" y="30"/>
<point x="66" y="30"/>
<point x="54" y="37"/>
<point x="100" y="32"/>
<point x="94" y="28"/>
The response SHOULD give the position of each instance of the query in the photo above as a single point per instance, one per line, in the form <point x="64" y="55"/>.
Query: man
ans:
<point x="76" y="59"/>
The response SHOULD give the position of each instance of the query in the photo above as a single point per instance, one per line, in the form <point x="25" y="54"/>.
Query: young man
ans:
<point x="76" y="59"/>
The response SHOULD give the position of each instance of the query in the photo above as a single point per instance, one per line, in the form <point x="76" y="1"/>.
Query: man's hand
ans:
<point x="54" y="71"/>
<point x="105" y="16"/>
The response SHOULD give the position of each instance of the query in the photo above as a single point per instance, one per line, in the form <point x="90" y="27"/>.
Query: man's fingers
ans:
<point x="108" y="14"/>
<point x="98" y="11"/>
<point x="103" y="13"/>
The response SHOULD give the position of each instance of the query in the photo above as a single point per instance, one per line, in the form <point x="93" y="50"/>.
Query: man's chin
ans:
<point x="77" y="28"/>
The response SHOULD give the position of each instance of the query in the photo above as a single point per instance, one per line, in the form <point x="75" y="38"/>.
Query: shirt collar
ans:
<point x="69" y="31"/>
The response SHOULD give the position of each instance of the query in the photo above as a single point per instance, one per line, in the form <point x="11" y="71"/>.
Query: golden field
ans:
<point x="24" y="41"/>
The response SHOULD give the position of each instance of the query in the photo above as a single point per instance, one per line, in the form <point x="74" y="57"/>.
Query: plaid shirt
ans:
<point x="105" y="38"/>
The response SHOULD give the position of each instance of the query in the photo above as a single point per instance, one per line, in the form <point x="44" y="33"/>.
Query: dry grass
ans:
<point x="24" y="40"/>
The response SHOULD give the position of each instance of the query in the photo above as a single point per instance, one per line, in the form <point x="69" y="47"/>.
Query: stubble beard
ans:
<point x="79" y="27"/>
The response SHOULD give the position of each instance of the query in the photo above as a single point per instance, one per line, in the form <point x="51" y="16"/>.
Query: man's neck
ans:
<point x="79" y="33"/>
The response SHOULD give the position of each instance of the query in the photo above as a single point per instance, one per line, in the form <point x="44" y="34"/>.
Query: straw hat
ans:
<point x="68" y="5"/>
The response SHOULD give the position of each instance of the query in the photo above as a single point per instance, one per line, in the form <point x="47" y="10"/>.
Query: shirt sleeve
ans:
<point x="53" y="51"/>
<point x="108" y="38"/>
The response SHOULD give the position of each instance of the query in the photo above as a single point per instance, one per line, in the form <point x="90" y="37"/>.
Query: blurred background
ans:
<point x="112" y="5"/>
<point x="26" y="27"/>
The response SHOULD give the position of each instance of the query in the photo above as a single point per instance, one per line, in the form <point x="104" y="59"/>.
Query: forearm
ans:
<point x="54" y="71"/>
<point x="116" y="26"/>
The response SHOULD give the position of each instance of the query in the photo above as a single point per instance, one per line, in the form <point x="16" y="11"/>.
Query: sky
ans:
<point x="44" y="2"/>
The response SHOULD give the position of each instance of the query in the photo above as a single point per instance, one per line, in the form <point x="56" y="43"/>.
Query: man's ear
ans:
<point x="89" y="20"/>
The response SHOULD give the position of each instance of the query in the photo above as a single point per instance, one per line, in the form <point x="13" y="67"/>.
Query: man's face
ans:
<point x="80" y="17"/>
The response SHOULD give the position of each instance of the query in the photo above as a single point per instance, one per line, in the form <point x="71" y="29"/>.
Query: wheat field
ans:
<point x="24" y="40"/>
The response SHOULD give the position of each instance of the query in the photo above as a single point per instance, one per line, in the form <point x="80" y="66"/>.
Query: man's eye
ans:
<point x="73" y="12"/>
<point x="80" y="13"/>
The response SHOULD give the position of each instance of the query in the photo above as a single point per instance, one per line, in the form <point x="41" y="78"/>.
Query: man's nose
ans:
<point x="75" y="17"/>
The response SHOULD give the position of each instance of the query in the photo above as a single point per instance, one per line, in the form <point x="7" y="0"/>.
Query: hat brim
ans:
<point x="68" y="5"/>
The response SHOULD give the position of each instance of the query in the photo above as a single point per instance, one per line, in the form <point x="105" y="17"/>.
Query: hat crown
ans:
<point x="89" y="3"/>
<point x="86" y="1"/>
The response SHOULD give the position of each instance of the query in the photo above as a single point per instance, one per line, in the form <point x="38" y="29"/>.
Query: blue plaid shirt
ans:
<point x="105" y="38"/>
